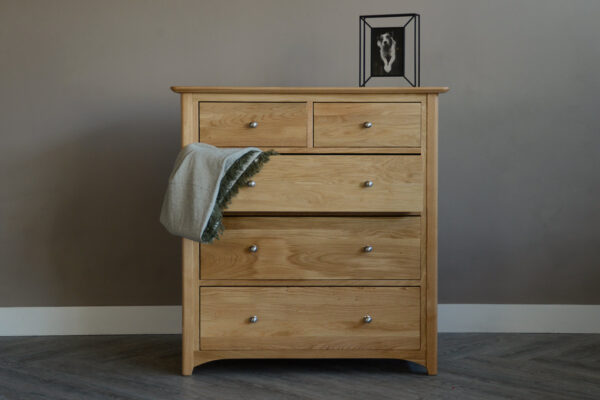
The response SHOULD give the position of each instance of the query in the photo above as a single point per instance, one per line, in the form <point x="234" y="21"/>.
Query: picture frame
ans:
<point x="389" y="47"/>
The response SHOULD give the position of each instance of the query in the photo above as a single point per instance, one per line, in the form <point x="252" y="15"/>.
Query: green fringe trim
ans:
<point x="215" y="227"/>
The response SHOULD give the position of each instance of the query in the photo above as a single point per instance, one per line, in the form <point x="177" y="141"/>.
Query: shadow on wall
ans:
<point x="96" y="238"/>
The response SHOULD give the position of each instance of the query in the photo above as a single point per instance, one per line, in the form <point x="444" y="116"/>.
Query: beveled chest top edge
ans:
<point x="308" y="90"/>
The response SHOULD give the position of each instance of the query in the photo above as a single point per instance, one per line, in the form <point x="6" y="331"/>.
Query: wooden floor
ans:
<point x="471" y="366"/>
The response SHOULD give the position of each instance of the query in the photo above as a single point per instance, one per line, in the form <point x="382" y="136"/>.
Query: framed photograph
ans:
<point x="387" y="51"/>
<point x="389" y="47"/>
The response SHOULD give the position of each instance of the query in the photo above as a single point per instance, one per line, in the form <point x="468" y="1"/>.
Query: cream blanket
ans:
<point x="204" y="180"/>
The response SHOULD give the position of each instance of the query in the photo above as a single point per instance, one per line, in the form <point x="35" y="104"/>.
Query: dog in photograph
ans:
<point x="387" y="50"/>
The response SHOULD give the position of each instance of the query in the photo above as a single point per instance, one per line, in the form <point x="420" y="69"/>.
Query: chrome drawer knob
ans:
<point x="253" y="124"/>
<point x="253" y="248"/>
<point x="367" y="318"/>
<point x="368" y="183"/>
<point x="251" y="184"/>
<point x="253" y="319"/>
<point x="368" y="249"/>
<point x="368" y="124"/>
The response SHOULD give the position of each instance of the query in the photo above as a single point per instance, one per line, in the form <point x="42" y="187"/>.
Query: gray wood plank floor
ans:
<point x="471" y="366"/>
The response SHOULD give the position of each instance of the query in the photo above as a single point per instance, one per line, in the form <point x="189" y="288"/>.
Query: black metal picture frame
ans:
<point x="390" y="46"/>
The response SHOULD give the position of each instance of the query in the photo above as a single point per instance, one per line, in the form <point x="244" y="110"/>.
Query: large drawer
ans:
<point x="309" y="318"/>
<point x="315" y="248"/>
<point x="325" y="183"/>
<point x="241" y="124"/>
<point x="367" y="124"/>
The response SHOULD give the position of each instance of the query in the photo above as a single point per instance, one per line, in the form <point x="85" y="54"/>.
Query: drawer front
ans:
<point x="277" y="124"/>
<point x="315" y="248"/>
<point x="391" y="124"/>
<point x="309" y="318"/>
<point x="320" y="183"/>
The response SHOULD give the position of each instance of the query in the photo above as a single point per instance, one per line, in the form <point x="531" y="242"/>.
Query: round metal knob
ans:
<point x="253" y="124"/>
<point x="368" y="249"/>
<point x="368" y="183"/>
<point x="368" y="124"/>
<point x="367" y="318"/>
<point x="253" y="248"/>
<point x="254" y="319"/>
<point x="251" y="184"/>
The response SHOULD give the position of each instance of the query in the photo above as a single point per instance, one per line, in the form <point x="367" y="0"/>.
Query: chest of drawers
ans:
<point x="332" y="251"/>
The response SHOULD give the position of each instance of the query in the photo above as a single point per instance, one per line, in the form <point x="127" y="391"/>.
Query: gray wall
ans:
<point x="89" y="130"/>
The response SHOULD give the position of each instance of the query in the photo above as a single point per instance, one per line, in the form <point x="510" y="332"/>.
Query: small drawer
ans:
<point x="325" y="318"/>
<point x="315" y="248"/>
<point x="232" y="124"/>
<point x="367" y="124"/>
<point x="329" y="183"/>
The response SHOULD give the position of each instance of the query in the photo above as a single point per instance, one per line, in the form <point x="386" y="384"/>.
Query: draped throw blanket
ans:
<point x="203" y="182"/>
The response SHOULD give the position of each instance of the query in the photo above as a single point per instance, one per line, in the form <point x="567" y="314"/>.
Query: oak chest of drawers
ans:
<point x="332" y="251"/>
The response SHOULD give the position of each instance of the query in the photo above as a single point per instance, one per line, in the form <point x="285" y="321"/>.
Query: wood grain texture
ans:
<point x="344" y="150"/>
<point x="315" y="248"/>
<point x="309" y="124"/>
<point x="322" y="183"/>
<point x="205" y="356"/>
<point x="342" y="124"/>
<point x="310" y="282"/>
<point x="307" y="90"/>
<point x="228" y="124"/>
<point x="432" y="231"/>
<point x="190" y="256"/>
<point x="308" y="97"/>
<point x="310" y="183"/>
<point x="309" y="318"/>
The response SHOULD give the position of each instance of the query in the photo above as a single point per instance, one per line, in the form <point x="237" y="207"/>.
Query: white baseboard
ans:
<point x="524" y="318"/>
<point x="40" y="321"/>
